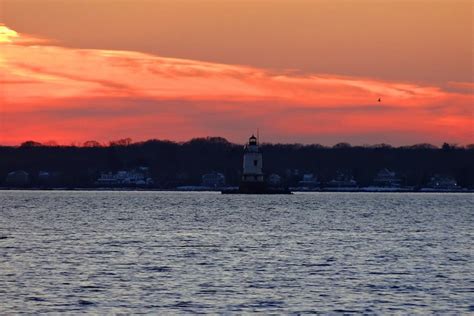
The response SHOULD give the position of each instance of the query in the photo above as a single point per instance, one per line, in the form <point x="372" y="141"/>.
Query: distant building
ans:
<point x="274" y="180"/>
<point x="439" y="182"/>
<point x="213" y="180"/>
<point x="182" y="176"/>
<point x="135" y="177"/>
<point x="17" y="178"/>
<point x="292" y="173"/>
<point x="43" y="175"/>
<point x="48" y="177"/>
<point x="309" y="181"/>
<point x="342" y="180"/>
<point x="387" y="179"/>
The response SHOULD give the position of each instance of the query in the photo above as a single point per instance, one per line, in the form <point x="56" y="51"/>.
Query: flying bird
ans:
<point x="380" y="100"/>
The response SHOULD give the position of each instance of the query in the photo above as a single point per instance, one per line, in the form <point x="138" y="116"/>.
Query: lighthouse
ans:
<point x="252" y="175"/>
<point x="253" y="162"/>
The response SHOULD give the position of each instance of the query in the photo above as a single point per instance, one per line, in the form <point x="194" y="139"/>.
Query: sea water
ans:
<point x="171" y="253"/>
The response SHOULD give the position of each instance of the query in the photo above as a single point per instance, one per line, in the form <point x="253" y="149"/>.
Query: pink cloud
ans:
<point x="52" y="92"/>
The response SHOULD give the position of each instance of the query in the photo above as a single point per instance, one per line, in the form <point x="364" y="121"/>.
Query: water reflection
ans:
<point x="164" y="252"/>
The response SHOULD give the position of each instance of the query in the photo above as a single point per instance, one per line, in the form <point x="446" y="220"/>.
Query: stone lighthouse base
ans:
<point x="256" y="188"/>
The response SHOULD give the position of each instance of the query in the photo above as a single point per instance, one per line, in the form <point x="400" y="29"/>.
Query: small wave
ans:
<point x="91" y="288"/>
<point x="85" y="302"/>
<point x="261" y="286"/>
<point x="455" y="259"/>
<point x="188" y="305"/>
<point x="36" y="299"/>
<point x="316" y="264"/>
<point x="158" y="268"/>
<point x="267" y="304"/>
<point x="207" y="292"/>
<point x="347" y="311"/>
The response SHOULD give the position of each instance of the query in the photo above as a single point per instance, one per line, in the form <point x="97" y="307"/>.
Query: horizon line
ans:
<point x="123" y="142"/>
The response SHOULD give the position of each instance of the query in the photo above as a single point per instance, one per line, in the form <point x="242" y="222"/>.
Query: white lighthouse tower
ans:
<point x="253" y="164"/>
<point x="252" y="175"/>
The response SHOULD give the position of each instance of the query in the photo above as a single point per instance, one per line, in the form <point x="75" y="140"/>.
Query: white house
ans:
<point x="213" y="180"/>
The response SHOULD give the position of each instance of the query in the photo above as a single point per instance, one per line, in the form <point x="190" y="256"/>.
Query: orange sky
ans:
<point x="301" y="71"/>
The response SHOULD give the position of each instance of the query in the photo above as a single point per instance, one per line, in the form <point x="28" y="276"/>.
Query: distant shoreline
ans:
<point x="361" y="190"/>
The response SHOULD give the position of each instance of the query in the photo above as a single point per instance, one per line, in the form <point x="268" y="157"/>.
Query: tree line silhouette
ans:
<point x="172" y="164"/>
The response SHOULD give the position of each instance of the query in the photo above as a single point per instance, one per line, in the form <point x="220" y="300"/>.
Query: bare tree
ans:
<point x="91" y="143"/>
<point x="51" y="143"/>
<point x="121" y="142"/>
<point x="31" y="143"/>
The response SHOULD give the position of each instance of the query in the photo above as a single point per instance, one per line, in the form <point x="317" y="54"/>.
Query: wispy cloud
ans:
<point x="53" y="92"/>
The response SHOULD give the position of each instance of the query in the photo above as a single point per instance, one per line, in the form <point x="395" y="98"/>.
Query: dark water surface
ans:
<point x="168" y="253"/>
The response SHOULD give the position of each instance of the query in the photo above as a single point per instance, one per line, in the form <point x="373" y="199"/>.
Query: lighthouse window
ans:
<point x="255" y="162"/>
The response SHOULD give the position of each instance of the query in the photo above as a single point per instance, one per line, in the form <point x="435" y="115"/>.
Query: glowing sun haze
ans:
<point x="57" y="85"/>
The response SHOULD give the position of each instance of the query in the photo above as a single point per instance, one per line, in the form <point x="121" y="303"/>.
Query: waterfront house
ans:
<point x="213" y="180"/>
<point x="17" y="178"/>
<point x="439" y="182"/>
<point x="387" y="179"/>
<point x="342" y="180"/>
<point x="274" y="180"/>
<point x="126" y="178"/>
<point x="309" y="181"/>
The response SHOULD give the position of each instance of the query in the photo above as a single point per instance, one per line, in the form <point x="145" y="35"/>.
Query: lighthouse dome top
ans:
<point x="253" y="140"/>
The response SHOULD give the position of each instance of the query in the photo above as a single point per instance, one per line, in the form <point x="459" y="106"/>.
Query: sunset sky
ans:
<point x="304" y="71"/>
